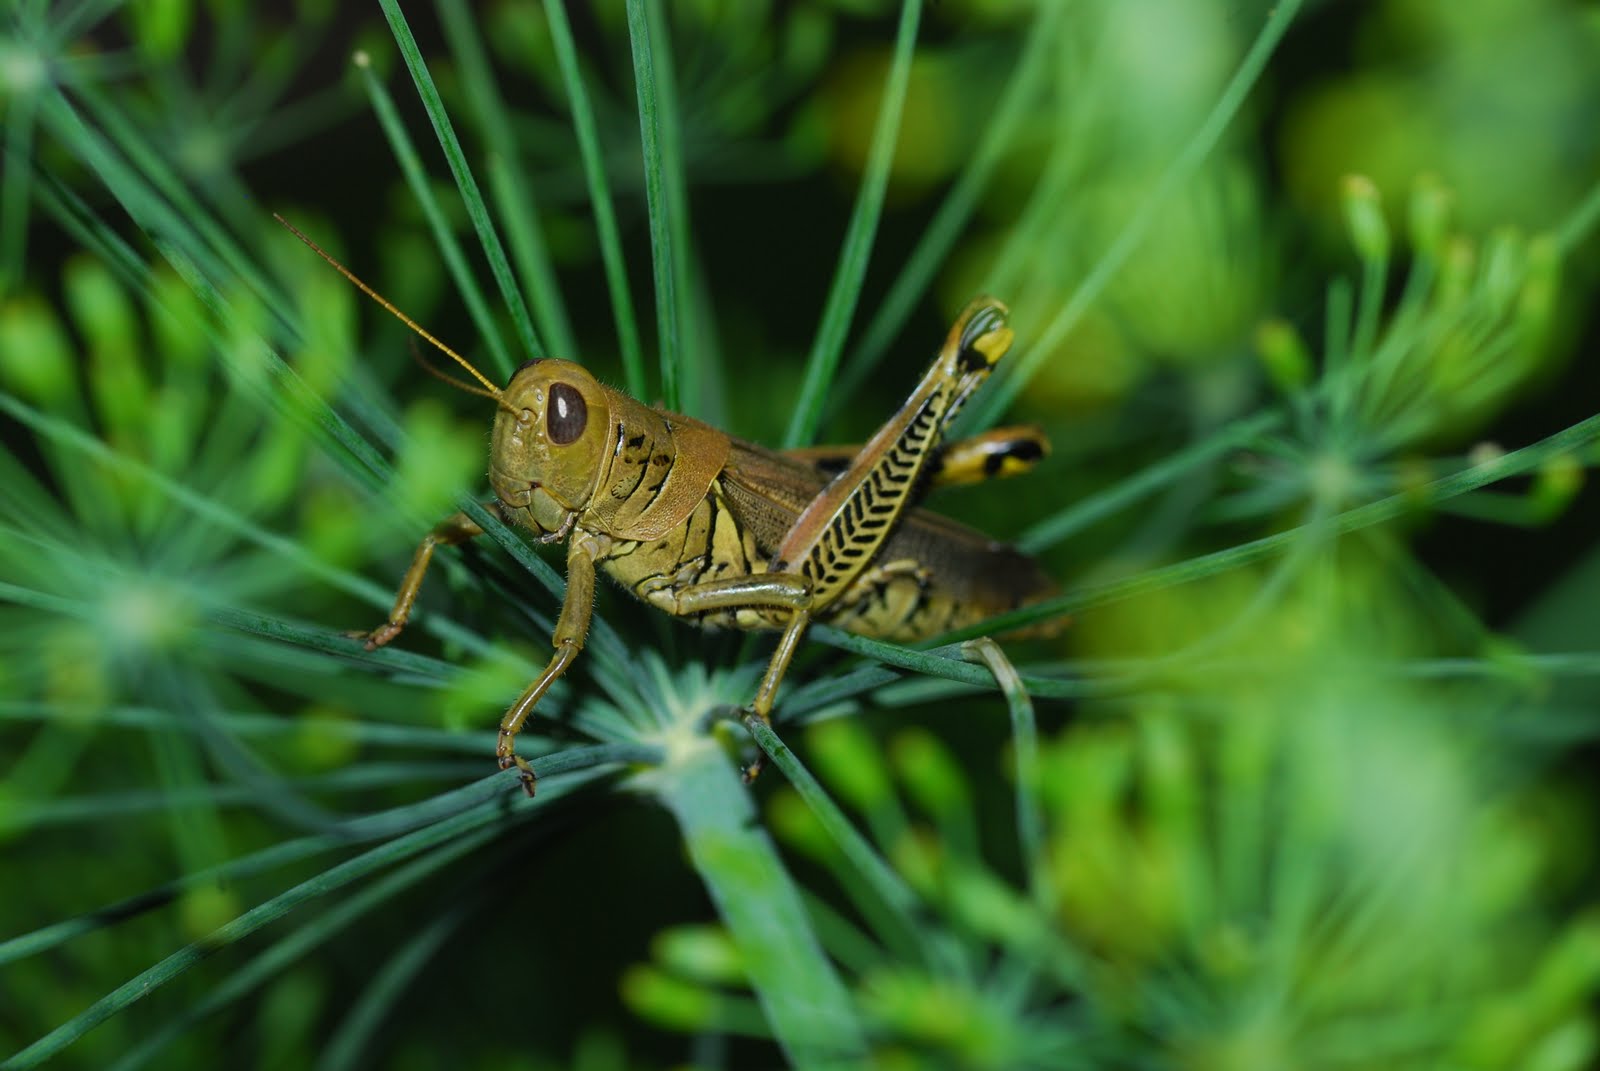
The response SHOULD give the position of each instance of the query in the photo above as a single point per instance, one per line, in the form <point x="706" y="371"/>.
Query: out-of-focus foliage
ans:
<point x="1294" y="288"/>
<point x="1496" y="98"/>
<point x="1286" y="837"/>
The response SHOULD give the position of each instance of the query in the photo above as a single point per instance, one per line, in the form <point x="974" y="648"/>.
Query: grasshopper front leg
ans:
<point x="571" y="628"/>
<point x="457" y="528"/>
<point x="583" y="550"/>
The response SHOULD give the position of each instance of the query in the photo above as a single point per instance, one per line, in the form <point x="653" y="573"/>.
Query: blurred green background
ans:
<point x="1305" y="296"/>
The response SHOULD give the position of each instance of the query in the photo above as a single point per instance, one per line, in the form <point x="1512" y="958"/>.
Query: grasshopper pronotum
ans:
<point x="703" y="525"/>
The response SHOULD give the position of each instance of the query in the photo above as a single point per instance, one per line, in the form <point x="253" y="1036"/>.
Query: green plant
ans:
<point x="1306" y="806"/>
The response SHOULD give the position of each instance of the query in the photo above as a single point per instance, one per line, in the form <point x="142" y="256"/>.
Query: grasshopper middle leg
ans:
<point x="780" y="591"/>
<point x="777" y="591"/>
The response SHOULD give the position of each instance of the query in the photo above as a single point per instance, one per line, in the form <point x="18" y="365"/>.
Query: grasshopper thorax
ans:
<point x="550" y="436"/>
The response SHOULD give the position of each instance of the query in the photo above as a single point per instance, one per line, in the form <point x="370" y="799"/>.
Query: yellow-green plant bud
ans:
<point x="35" y="354"/>
<point x="851" y="763"/>
<point x="1455" y="271"/>
<point x="704" y="953"/>
<point x="1503" y="268"/>
<point x="1555" y="485"/>
<point x="1541" y="284"/>
<point x="656" y="996"/>
<point x="1363" y="214"/>
<point x="1284" y="355"/>
<point x="930" y="774"/>
<point x="1429" y="216"/>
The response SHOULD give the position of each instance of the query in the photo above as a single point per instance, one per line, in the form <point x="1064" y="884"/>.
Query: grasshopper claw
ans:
<point x="746" y="717"/>
<point x="362" y="636"/>
<point x="372" y="639"/>
<point x="752" y="769"/>
<point x="524" y="770"/>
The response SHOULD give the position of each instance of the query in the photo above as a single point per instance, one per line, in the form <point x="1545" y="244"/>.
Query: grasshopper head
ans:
<point x="549" y="435"/>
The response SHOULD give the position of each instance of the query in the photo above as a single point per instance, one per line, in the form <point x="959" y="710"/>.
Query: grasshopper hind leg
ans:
<point x="998" y="453"/>
<point x="837" y="537"/>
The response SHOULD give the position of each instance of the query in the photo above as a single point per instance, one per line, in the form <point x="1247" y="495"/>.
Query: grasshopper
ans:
<point x="706" y="526"/>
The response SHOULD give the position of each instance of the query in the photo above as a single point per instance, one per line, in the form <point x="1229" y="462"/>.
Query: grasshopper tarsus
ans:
<point x="380" y="636"/>
<point x="524" y="771"/>
<point x="752" y="769"/>
<point x="749" y="718"/>
<point x="745" y="717"/>
<point x="368" y="638"/>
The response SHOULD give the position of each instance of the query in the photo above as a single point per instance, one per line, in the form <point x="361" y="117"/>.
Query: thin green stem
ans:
<point x="279" y="956"/>
<point x="845" y="290"/>
<point x="1032" y="71"/>
<point x="1369" y="308"/>
<point x="1580" y="222"/>
<point x="946" y="661"/>
<point x="380" y="825"/>
<point x="1071" y="520"/>
<point x="509" y="184"/>
<point x="1337" y="383"/>
<point x="605" y="220"/>
<point x="347" y="1046"/>
<point x="455" y="261"/>
<point x="1025" y="744"/>
<point x="1513" y="464"/>
<point x="244" y="723"/>
<point x="888" y="886"/>
<point x="471" y="197"/>
<point x="806" y="1004"/>
<point x="75" y="19"/>
<point x="20" y="110"/>
<point x="987" y="408"/>
<point x="167" y="204"/>
<point x="330" y="880"/>
<point x="514" y="200"/>
<point x="669" y="225"/>
<point x="190" y="798"/>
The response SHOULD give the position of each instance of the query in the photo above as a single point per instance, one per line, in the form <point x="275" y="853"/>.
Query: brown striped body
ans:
<point x="679" y="504"/>
<point x="901" y="597"/>
<point x="930" y="576"/>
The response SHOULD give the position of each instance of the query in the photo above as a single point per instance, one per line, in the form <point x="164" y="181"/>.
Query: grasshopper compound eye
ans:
<point x="567" y="415"/>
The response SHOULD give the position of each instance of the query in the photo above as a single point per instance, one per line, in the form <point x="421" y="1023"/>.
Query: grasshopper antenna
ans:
<point x="458" y="384"/>
<point x="490" y="390"/>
